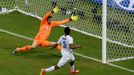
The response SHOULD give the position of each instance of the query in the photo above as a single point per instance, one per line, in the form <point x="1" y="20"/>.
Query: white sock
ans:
<point x="52" y="68"/>
<point x="72" y="68"/>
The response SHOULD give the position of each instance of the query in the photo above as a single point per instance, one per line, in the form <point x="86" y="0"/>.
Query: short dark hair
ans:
<point x="67" y="31"/>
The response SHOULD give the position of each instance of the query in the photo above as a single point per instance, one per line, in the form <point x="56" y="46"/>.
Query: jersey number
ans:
<point x="64" y="44"/>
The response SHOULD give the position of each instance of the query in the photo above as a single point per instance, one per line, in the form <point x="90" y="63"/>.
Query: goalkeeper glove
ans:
<point x="74" y="18"/>
<point x="56" y="10"/>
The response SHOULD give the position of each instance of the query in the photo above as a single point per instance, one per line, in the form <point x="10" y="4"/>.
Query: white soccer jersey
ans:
<point x="66" y="51"/>
<point x="64" y="41"/>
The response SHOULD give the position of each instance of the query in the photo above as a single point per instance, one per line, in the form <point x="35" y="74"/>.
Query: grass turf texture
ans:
<point x="30" y="62"/>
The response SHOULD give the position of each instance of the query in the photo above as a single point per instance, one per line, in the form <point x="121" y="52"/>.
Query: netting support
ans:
<point x="104" y="34"/>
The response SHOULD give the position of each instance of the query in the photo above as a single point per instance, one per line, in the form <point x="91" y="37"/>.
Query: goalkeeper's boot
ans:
<point x="42" y="71"/>
<point x="74" y="71"/>
<point x="14" y="52"/>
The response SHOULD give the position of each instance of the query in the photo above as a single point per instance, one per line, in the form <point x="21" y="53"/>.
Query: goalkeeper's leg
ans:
<point x="59" y="47"/>
<point x="25" y="48"/>
<point x="48" y="44"/>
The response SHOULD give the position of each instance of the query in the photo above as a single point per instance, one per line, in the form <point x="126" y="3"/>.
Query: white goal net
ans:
<point x="120" y="30"/>
<point x="6" y="5"/>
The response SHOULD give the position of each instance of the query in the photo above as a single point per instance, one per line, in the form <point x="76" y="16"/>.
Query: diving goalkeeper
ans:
<point x="46" y="26"/>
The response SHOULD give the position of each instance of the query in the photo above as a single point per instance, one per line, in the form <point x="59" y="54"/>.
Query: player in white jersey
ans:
<point x="66" y="41"/>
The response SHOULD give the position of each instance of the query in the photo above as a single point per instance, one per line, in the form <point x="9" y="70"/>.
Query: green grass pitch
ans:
<point x="30" y="62"/>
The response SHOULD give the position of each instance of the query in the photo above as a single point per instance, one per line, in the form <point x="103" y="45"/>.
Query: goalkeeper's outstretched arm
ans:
<point x="73" y="18"/>
<point x="49" y="13"/>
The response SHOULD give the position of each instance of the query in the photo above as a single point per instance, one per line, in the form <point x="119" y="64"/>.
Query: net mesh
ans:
<point x="83" y="8"/>
<point x="120" y="30"/>
<point x="8" y="4"/>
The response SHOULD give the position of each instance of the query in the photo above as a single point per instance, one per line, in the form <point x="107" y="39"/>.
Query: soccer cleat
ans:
<point x="14" y="52"/>
<point x="74" y="71"/>
<point x="42" y="71"/>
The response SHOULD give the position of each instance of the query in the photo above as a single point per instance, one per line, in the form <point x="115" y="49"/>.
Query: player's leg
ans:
<point x="25" y="48"/>
<point x="52" y="68"/>
<point x="61" y="63"/>
<point x="58" y="46"/>
<point x="45" y="43"/>
<point x="72" y="60"/>
<point x="48" y="44"/>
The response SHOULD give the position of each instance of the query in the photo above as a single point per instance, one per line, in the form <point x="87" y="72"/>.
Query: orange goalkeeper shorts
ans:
<point x="42" y="42"/>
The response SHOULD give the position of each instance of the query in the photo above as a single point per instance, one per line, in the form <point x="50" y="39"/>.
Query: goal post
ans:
<point x="104" y="31"/>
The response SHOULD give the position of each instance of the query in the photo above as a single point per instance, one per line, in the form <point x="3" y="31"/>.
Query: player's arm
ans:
<point x="60" y="22"/>
<point x="49" y="13"/>
<point x="73" y="18"/>
<point x="74" y="46"/>
<point x="71" y="44"/>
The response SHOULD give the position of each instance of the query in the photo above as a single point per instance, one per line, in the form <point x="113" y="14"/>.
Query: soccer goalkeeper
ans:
<point x="46" y="26"/>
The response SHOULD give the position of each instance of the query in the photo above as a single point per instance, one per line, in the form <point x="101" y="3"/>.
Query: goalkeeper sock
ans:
<point x="25" y="48"/>
<point x="59" y="47"/>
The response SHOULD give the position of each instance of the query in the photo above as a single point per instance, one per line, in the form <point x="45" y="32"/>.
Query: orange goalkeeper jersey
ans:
<point x="45" y="27"/>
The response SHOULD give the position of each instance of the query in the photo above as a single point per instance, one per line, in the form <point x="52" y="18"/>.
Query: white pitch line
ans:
<point x="81" y="55"/>
<point x="113" y="65"/>
<point x="11" y="33"/>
